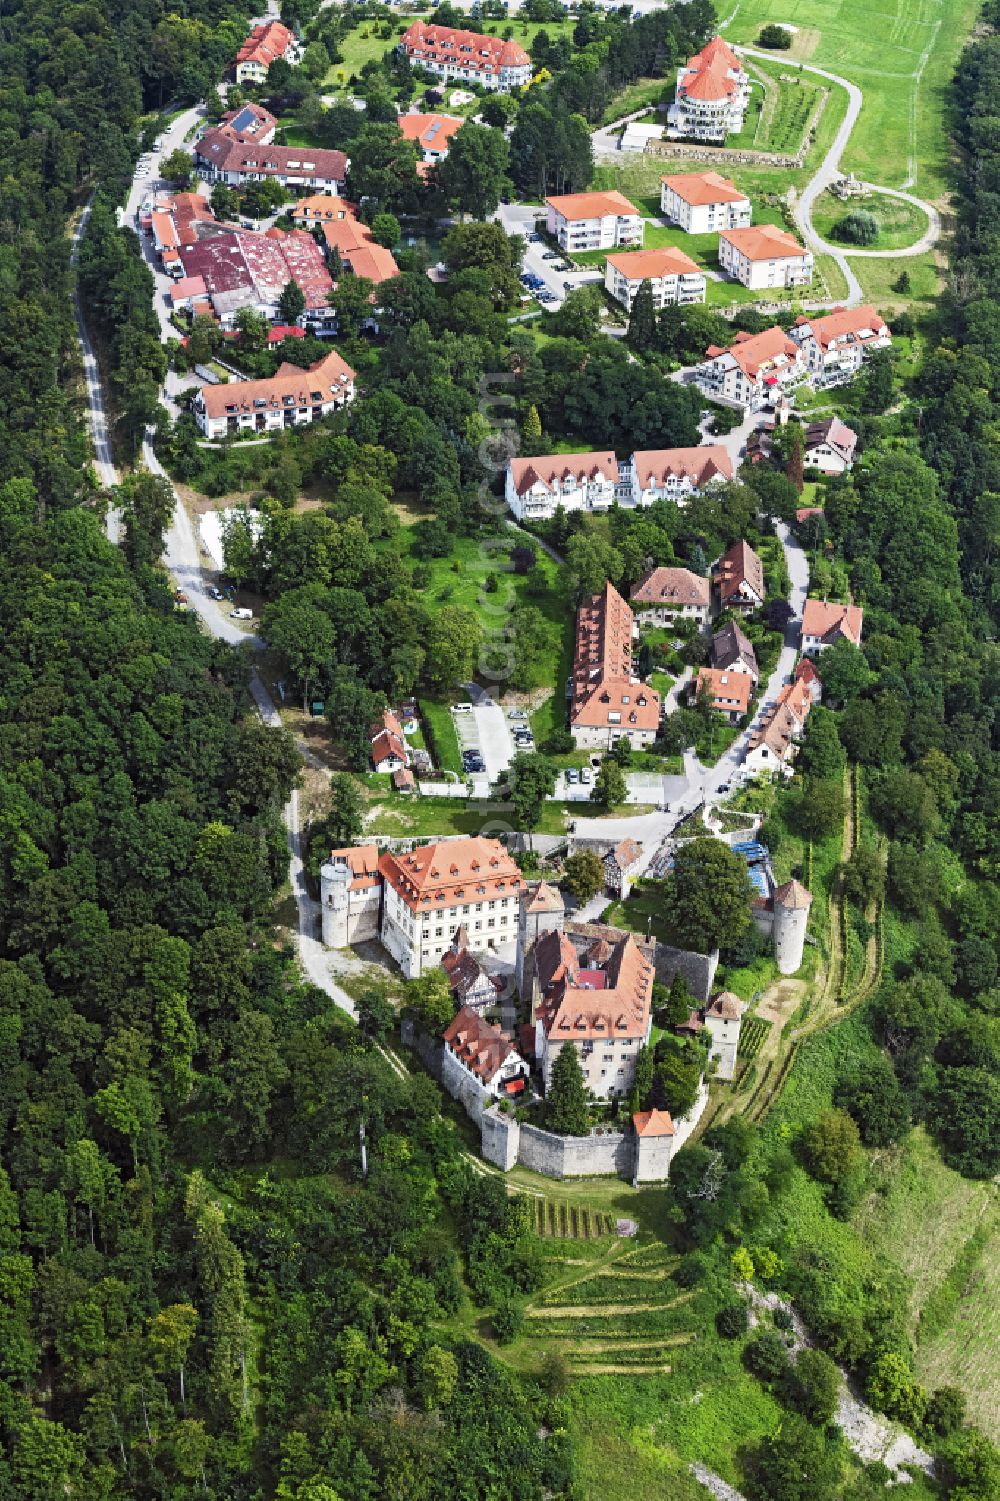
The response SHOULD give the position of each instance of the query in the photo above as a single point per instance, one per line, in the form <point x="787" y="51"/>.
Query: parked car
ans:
<point x="516" y="714"/>
<point x="585" y="777"/>
<point x="572" y="776"/>
<point x="550" y="255"/>
<point x="180" y="596"/>
<point x="461" y="708"/>
<point x="241" y="613"/>
<point x="214" y="593"/>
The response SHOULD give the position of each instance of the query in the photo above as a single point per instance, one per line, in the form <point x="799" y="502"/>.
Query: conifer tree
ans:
<point x="642" y="320"/>
<point x="566" y="1098"/>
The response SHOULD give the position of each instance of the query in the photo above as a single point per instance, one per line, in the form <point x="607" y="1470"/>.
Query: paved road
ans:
<point x="97" y="420"/>
<point x="492" y="731"/>
<point x="519" y="219"/>
<point x="142" y="188"/>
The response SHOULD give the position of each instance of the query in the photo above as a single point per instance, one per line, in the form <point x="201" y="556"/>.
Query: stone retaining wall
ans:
<point x="732" y="156"/>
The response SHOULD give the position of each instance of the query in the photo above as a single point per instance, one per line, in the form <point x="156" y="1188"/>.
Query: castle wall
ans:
<point x="473" y="1096"/>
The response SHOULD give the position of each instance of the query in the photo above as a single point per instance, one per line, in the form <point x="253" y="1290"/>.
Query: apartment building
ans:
<point x="224" y="155"/>
<point x="469" y="56"/>
<point x="703" y="202"/>
<point x="607" y="701"/>
<point x="432" y="134"/>
<point x="438" y="888"/>
<point x="712" y="94"/>
<point x="829" y="446"/>
<point x="753" y="370"/>
<point x="673" y="277"/>
<point x="289" y="398"/>
<point x="265" y="44"/>
<point x="764" y="256"/>
<point x="593" y="221"/>
<point x="836" y="343"/>
<point x="667" y="594"/>
<point x="536" y="487"/>
<point x="675" y="474"/>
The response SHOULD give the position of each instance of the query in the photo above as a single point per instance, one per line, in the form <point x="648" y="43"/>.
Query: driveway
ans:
<point x="143" y="188"/>
<point x="492" y="731"/>
<point x="519" y="219"/>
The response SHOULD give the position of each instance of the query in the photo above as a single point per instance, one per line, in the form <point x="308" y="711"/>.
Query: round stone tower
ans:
<point x="334" y="881"/>
<point x="791" y="914"/>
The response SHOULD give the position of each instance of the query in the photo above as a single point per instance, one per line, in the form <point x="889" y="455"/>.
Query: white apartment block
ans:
<point x="440" y="887"/>
<point x="593" y="221"/>
<point x="471" y="56"/>
<point x="764" y="257"/>
<point x="703" y="202"/>
<point x="290" y="398"/>
<point x="836" y="343"/>
<point x="753" y="370"/>
<point x="675" y="473"/>
<point x="673" y="277"/>
<point x="537" y="487"/>
<point x="713" y="91"/>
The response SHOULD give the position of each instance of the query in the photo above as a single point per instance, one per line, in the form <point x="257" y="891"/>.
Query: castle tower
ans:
<point x="791" y="914"/>
<point x="334" y="884"/>
<point x="542" y="909"/>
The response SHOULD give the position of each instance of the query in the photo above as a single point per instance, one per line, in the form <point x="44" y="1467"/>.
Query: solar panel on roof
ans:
<point x="244" y="119"/>
<point x="432" y="130"/>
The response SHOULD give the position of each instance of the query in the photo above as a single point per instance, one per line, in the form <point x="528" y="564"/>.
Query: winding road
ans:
<point x="829" y="170"/>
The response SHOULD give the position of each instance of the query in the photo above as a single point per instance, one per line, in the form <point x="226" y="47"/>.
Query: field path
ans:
<point x="829" y="170"/>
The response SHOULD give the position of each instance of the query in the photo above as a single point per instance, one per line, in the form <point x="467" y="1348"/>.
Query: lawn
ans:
<point x="900" y="223"/>
<point x="902" y="55"/>
<point x="878" y="281"/>
<point x="364" y="44"/>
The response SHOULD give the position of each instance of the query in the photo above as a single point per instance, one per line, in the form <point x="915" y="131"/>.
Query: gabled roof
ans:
<point x="763" y="242"/>
<point x="290" y="387"/>
<point x="726" y="1005"/>
<point x="730" y="645"/>
<point x="845" y="325"/>
<point x="543" y="898"/>
<point x="268" y="40"/>
<point x="431" y="132"/>
<point x="625" y="854"/>
<point x="575" y="206"/>
<point x="362" y="862"/>
<point x="653" y="1123"/>
<point x="806" y="672"/>
<point x="739" y="565"/>
<point x="371" y="261"/>
<point x="227" y="152"/>
<point x="604" y="691"/>
<point x="672" y="586"/>
<point x="753" y="352"/>
<point x="551" y="469"/>
<point x="828" y="621"/>
<point x="651" y="265"/>
<point x="385" y="746"/>
<point x="731" y="691"/>
<point x="555" y="960"/>
<point x="699" y="465"/>
<point x="437" y="875"/>
<point x="465" y="973"/>
<point x="835" y="434"/>
<point x="480" y="1045"/>
<point x="698" y="188"/>
<point x="573" y="1012"/>
<point x="250" y="121"/>
<point x="468" y="49"/>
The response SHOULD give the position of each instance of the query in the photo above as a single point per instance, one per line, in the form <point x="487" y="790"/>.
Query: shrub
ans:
<point x="692" y="1269"/>
<point x="508" y="1316"/>
<point x="765" y="1356"/>
<point x="811" y="1386"/>
<point x="778" y="38"/>
<point x="858" y="228"/>
<point x="732" y="1320"/>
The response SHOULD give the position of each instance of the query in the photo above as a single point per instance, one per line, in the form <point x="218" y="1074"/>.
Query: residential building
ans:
<point x="607" y="701"/>
<point x="733" y="652"/>
<point x="471" y="985"/>
<point x="289" y="398"/>
<point x="244" y="269"/>
<point x="438" y="887"/>
<point x="673" y="277"/>
<point x="619" y="867"/>
<point x="593" y="221"/>
<point x="251" y="122"/>
<point x="598" y="1003"/>
<point x="356" y="248"/>
<point x="266" y="43"/>
<point x="835" y="344"/>
<point x="703" y="202"/>
<point x="668" y="594"/>
<point x="536" y="487"/>
<point x="771" y="747"/>
<point x="824" y="622"/>
<point x="318" y="209"/>
<point x="711" y="97"/>
<point x="388" y="752"/>
<point x="174" y="223"/>
<point x="404" y="781"/>
<point x="431" y="133"/>
<point x="223" y="155"/>
<point x="473" y="1046"/>
<point x="731" y="692"/>
<point x="764" y="256"/>
<point x="723" y="1016"/>
<point x="805" y="673"/>
<point x="739" y="578"/>
<point x="350" y="896"/>
<point x="829" y="446"/>
<point x="676" y="473"/>
<point x="754" y="370"/>
<point x="467" y="55"/>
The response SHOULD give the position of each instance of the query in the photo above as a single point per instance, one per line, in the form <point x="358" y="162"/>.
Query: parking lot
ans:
<point x="484" y="737"/>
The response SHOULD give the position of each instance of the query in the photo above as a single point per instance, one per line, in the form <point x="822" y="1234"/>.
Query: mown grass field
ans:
<point x="900" y="223"/>
<point x="901" y="54"/>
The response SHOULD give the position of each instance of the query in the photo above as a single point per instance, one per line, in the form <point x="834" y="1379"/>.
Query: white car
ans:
<point x="242" y="613"/>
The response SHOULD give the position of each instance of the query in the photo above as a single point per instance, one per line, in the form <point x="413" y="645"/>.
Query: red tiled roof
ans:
<point x="362" y="861"/>
<point x="752" y="352"/>
<point x="847" y="325"/>
<point x="480" y="1045"/>
<point x="699" y="465"/>
<point x="603" y="685"/>
<point x="698" y="188"/>
<point x="763" y="242"/>
<point x="262" y="263"/>
<point x="731" y="691"/>
<point x="574" y="206"/>
<point x="435" y="875"/>
<point x="431" y="132"/>
<point x="223" y="149"/>
<point x="672" y="586"/>
<point x="653" y="1123"/>
<point x="317" y="385"/>
<point x="385" y="746"/>
<point x="571" y="1013"/>
<point x="467" y="49"/>
<point x="266" y="42"/>
<point x="651" y="265"/>
<point x="739" y="565"/>
<point x="549" y="470"/>
<point x="828" y="620"/>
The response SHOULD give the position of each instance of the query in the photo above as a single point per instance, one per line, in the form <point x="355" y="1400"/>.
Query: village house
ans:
<point x="753" y="370"/>
<point x="764" y="256"/>
<point x="598" y="1004"/>
<point x="829" y="446"/>
<point x="806" y="674"/>
<point x="388" y="752"/>
<point x="252" y="122"/>
<point x="481" y="1050"/>
<point x="593" y="221"/>
<point x="607" y="701"/>
<point x="620" y="865"/>
<point x="673" y="277"/>
<point x="471" y="883"/>
<point x="730" y="692"/>
<point x="317" y="209"/>
<point x="712" y="94"/>
<point x="244" y="269"/>
<point x="471" y="985"/>
<point x="703" y="202"/>
<point x="772" y="744"/>
<point x="835" y="344"/>
<point x="733" y="652"/>
<point x="350" y="896"/>
<point x="432" y="134"/>
<point x="676" y="473"/>
<point x="824" y="622"/>
<point x="471" y="56"/>
<point x="289" y="398"/>
<point x="266" y="43"/>
<point x="224" y="155"/>
<point x="668" y="594"/>
<point x="739" y="578"/>
<point x="537" y="487"/>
